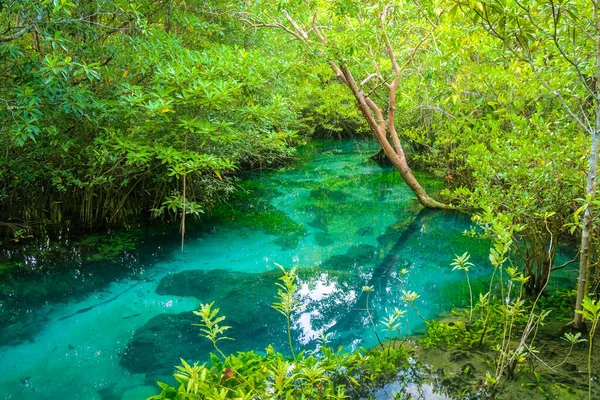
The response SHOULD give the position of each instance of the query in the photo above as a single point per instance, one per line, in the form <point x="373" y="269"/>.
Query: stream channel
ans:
<point x="81" y="326"/>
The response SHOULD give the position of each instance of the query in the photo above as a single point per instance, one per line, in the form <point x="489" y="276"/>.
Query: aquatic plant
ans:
<point x="368" y="290"/>
<point x="591" y="312"/>
<point x="109" y="246"/>
<point x="288" y="300"/>
<point x="251" y="208"/>
<point x="392" y="325"/>
<point x="462" y="263"/>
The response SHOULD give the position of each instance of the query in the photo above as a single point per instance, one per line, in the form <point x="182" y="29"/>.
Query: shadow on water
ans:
<point x="244" y="298"/>
<point x="383" y="271"/>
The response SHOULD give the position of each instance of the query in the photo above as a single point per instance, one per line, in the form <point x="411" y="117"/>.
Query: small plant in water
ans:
<point x="410" y="297"/>
<point x="462" y="263"/>
<point x="210" y="327"/>
<point x="368" y="290"/>
<point x="392" y="324"/>
<point x="591" y="312"/>
<point x="288" y="300"/>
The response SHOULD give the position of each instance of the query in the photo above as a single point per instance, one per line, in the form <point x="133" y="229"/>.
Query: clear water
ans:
<point x="110" y="329"/>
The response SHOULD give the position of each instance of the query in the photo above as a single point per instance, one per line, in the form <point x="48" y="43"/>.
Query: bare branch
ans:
<point x="338" y="72"/>
<point x="296" y="26"/>
<point x="253" y="21"/>
<point x="368" y="78"/>
<point x="321" y="37"/>
<point x="566" y="264"/>
<point x="23" y="30"/>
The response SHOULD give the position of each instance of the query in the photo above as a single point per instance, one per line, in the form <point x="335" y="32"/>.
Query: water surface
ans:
<point x="109" y="327"/>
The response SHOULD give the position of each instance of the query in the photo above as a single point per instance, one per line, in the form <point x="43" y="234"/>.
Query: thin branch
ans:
<point x="566" y="264"/>
<point x="321" y="37"/>
<point x="272" y="25"/>
<point x="487" y="25"/>
<point x="555" y="18"/>
<point x="417" y="47"/>
<point x="22" y="30"/>
<point x="296" y="26"/>
<point x="368" y="78"/>
<point x="585" y="127"/>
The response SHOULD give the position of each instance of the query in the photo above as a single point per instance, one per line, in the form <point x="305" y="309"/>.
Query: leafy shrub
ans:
<point x="324" y="374"/>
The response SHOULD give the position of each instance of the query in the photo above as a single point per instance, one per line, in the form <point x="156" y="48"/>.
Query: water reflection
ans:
<point x="344" y="221"/>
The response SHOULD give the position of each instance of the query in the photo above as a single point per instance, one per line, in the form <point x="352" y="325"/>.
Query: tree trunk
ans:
<point x="380" y="129"/>
<point x="585" y="252"/>
<point x="586" y="232"/>
<point x="399" y="162"/>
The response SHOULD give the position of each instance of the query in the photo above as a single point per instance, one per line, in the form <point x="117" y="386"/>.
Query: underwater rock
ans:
<point x="366" y="231"/>
<point x="109" y="393"/>
<point x="156" y="347"/>
<point x="323" y="239"/>
<point x="197" y="283"/>
<point x="21" y="331"/>
<point x="361" y="254"/>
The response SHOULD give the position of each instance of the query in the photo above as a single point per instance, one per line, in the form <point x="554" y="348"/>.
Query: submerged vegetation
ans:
<point x="115" y="111"/>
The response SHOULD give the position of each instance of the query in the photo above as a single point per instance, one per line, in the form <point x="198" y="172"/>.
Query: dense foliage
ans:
<point x="108" y="106"/>
<point x="326" y="374"/>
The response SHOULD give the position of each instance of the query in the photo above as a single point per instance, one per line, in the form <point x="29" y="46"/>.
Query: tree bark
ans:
<point x="585" y="251"/>
<point x="586" y="233"/>
<point x="380" y="129"/>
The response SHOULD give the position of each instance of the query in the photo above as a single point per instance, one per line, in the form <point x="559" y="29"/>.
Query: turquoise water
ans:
<point x="95" y="328"/>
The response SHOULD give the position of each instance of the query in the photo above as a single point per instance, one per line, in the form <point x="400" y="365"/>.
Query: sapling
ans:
<point x="288" y="302"/>
<point x="211" y="330"/>
<point x="572" y="339"/>
<point x="210" y="327"/>
<point x="590" y="311"/>
<point x="462" y="263"/>
<point x="392" y="324"/>
<point x="410" y="297"/>
<point x="369" y="289"/>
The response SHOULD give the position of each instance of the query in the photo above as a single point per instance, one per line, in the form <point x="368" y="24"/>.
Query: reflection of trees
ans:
<point x="343" y="307"/>
<point x="381" y="274"/>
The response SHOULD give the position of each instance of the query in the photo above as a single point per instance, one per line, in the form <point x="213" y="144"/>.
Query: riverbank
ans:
<point x="553" y="371"/>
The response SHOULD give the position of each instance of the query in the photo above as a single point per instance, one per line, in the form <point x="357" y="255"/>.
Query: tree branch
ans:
<point x="23" y="30"/>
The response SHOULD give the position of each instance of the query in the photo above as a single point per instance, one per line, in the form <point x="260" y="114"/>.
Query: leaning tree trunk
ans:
<point x="585" y="252"/>
<point x="380" y="127"/>
<point x="398" y="160"/>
